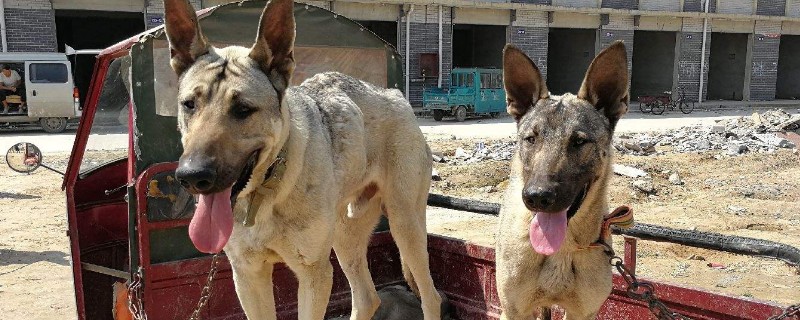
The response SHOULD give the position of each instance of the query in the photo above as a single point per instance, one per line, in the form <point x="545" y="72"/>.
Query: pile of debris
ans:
<point x="499" y="151"/>
<point x="761" y="132"/>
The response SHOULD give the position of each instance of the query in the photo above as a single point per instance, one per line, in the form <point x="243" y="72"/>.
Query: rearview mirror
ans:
<point x="24" y="157"/>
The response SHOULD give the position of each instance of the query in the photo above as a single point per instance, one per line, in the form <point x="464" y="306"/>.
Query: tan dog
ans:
<point x="305" y="168"/>
<point x="556" y="199"/>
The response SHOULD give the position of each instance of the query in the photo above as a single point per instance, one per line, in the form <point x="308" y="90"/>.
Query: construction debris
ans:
<point x="627" y="171"/>
<point x="762" y="132"/>
<point x="675" y="179"/>
<point x="645" y="186"/>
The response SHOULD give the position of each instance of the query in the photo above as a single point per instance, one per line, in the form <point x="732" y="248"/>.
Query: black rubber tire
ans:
<point x="659" y="108"/>
<point x="461" y="113"/>
<point x="53" y="125"/>
<point x="494" y="114"/>
<point x="438" y="115"/>
<point x="697" y="239"/>
<point x="646" y="107"/>
<point x="687" y="107"/>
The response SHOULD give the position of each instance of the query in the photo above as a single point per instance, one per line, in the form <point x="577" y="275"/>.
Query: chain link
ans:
<point x="135" y="296"/>
<point x="643" y="291"/>
<point x="791" y="311"/>
<point x="206" y="293"/>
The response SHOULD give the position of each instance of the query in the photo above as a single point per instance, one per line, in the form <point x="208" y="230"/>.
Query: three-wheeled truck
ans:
<point x="128" y="216"/>
<point x="472" y="92"/>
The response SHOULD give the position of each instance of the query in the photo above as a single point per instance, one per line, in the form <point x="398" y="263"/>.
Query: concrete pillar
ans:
<point x="689" y="64"/>
<point x="619" y="27"/>
<point x="424" y="30"/>
<point x="529" y="32"/>
<point x="30" y="26"/>
<point x="764" y="64"/>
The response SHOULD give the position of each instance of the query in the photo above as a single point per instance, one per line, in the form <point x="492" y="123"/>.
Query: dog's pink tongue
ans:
<point x="212" y="222"/>
<point x="548" y="231"/>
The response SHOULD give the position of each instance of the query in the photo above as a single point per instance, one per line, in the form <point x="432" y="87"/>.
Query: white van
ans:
<point x="49" y="93"/>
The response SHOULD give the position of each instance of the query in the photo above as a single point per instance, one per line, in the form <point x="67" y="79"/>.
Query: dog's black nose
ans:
<point x="537" y="199"/>
<point x="196" y="176"/>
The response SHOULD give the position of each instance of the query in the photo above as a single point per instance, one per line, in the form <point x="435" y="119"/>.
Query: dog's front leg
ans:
<point x="254" y="289"/>
<point x="314" y="290"/>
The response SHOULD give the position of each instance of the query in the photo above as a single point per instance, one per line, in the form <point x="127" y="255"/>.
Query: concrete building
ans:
<point x="752" y="47"/>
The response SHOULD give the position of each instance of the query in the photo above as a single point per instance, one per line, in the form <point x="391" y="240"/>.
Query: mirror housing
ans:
<point x="24" y="157"/>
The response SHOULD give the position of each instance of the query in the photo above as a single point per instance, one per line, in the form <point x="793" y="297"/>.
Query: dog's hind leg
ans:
<point x="254" y="289"/>
<point x="407" y="224"/>
<point x="350" y="243"/>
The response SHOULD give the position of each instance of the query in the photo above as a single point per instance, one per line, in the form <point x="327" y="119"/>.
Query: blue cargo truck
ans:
<point x="472" y="92"/>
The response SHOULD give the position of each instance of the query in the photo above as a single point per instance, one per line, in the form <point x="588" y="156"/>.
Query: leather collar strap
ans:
<point x="272" y="179"/>
<point x="621" y="217"/>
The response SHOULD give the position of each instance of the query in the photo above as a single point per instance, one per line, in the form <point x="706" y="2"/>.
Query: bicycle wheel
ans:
<point x="659" y="108"/>
<point x="687" y="107"/>
<point x="646" y="107"/>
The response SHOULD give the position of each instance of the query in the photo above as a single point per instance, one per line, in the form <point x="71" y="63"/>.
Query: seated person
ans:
<point x="10" y="84"/>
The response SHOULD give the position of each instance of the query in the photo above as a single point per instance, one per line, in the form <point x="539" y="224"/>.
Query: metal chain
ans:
<point x="206" y="293"/>
<point x="643" y="291"/>
<point x="135" y="296"/>
<point x="791" y="311"/>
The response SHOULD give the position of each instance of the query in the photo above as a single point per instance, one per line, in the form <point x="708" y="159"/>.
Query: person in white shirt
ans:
<point x="10" y="83"/>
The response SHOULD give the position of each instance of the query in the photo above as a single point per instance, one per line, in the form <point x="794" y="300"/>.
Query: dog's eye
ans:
<point x="242" y="111"/>
<point x="578" y="142"/>
<point x="530" y="139"/>
<point x="188" y="104"/>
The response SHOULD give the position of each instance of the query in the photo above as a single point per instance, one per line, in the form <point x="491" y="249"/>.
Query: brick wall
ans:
<point x="154" y="12"/>
<point x="764" y="73"/>
<point x="771" y="7"/>
<point x="792" y="8"/>
<point x="543" y="2"/>
<point x="576" y="3"/>
<point x="736" y="6"/>
<point x="689" y="63"/>
<point x="29" y="4"/>
<point x="30" y="26"/>
<point x="698" y="6"/>
<point x="425" y="39"/>
<point x="660" y="5"/>
<point x="619" y="28"/>
<point x="529" y="32"/>
<point x="620" y="4"/>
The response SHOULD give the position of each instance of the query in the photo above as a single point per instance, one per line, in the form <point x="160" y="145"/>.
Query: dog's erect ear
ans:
<point x="523" y="82"/>
<point x="606" y="83"/>
<point x="186" y="41"/>
<point x="274" y="47"/>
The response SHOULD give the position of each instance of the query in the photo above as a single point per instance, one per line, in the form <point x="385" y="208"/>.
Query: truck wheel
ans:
<point x="53" y="125"/>
<point x="461" y="113"/>
<point x="494" y="114"/>
<point x="438" y="115"/>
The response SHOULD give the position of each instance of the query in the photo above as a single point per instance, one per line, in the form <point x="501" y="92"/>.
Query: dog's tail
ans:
<point x="409" y="278"/>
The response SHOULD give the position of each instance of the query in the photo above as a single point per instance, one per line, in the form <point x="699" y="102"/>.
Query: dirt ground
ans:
<point x="755" y="195"/>
<point x="35" y="266"/>
<point x="35" y="272"/>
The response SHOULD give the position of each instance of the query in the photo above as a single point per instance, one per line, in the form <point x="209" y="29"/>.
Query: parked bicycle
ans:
<point x="658" y="104"/>
<point x="681" y="103"/>
<point x="646" y="103"/>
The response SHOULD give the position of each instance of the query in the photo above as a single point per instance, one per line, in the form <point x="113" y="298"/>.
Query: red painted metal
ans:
<point x="629" y="259"/>
<point x="70" y="178"/>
